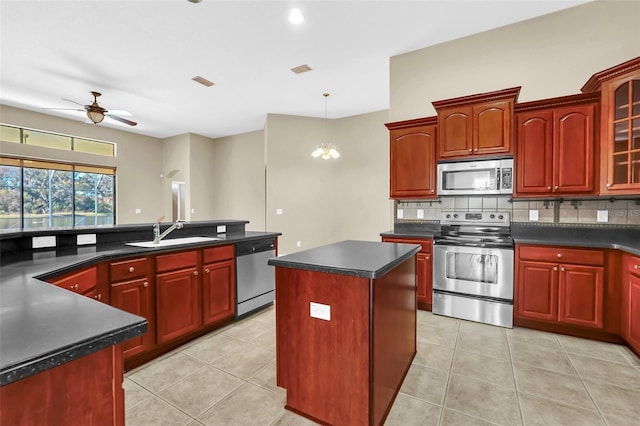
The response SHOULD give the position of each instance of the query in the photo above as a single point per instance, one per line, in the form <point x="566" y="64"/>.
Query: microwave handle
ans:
<point x="498" y="178"/>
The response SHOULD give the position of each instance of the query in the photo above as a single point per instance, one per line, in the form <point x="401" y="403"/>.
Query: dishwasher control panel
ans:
<point x="257" y="246"/>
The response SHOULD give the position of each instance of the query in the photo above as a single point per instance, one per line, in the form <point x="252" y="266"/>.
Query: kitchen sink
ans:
<point x="174" y="242"/>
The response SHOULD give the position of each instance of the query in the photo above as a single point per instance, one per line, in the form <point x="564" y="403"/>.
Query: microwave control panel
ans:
<point x="506" y="178"/>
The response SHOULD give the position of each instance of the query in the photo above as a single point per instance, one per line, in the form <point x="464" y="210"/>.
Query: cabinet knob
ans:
<point x="559" y="255"/>
<point x="427" y="257"/>
<point x="131" y="269"/>
<point x="555" y="268"/>
<point x="206" y="271"/>
<point x="562" y="269"/>
<point x="476" y="150"/>
<point x="636" y="266"/>
<point x="74" y="287"/>
<point x="433" y="190"/>
<point x="608" y="185"/>
<point x="98" y="296"/>
<point x="470" y="150"/>
<point x="146" y="284"/>
<point x="548" y="188"/>
<point x="556" y="187"/>
<point x="195" y="272"/>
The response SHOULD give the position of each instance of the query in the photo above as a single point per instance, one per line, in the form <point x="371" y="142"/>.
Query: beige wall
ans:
<point x="325" y="201"/>
<point x="237" y="179"/>
<point x="175" y="168"/>
<point x="549" y="56"/>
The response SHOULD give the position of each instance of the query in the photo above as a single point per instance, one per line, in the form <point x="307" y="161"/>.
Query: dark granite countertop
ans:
<point x="413" y="230"/>
<point x="43" y="326"/>
<point x="364" y="259"/>
<point x="625" y="238"/>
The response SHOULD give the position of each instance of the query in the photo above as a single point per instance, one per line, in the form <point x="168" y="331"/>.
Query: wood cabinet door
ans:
<point x="413" y="162"/>
<point x="580" y="295"/>
<point x="492" y="127"/>
<point x="177" y="304"/>
<point x="218" y="291"/>
<point x="455" y="135"/>
<point x="537" y="290"/>
<point x="630" y="326"/>
<point x="574" y="149"/>
<point x="135" y="297"/>
<point x="534" y="156"/>
<point x="425" y="277"/>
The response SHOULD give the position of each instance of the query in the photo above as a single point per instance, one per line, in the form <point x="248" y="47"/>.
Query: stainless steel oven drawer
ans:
<point x="473" y="309"/>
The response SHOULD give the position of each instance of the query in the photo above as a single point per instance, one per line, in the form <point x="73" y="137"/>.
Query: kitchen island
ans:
<point x="345" y="329"/>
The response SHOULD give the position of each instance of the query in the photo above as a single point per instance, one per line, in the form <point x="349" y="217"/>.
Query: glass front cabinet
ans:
<point x="619" y="127"/>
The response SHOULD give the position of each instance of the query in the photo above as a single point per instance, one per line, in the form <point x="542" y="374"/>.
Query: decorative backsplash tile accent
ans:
<point x="621" y="212"/>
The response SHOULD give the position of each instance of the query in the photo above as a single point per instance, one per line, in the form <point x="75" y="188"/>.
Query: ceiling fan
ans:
<point x="96" y="113"/>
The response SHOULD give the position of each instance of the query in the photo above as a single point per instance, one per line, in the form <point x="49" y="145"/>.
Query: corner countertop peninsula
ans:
<point x="345" y="329"/>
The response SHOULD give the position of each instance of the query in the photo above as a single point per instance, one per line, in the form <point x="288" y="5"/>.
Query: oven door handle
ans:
<point x="459" y="244"/>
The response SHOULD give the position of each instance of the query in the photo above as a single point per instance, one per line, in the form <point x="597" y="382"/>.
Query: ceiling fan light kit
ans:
<point x="96" y="113"/>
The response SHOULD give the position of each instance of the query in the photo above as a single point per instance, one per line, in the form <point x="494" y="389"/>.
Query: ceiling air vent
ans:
<point x="301" y="68"/>
<point x="202" y="81"/>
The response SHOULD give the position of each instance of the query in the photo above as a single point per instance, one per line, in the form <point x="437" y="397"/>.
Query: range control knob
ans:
<point x="492" y="216"/>
<point x="448" y="216"/>
<point x="500" y="217"/>
<point x="455" y="215"/>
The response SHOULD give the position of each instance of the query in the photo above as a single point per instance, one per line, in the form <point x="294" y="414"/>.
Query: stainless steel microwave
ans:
<point x="482" y="177"/>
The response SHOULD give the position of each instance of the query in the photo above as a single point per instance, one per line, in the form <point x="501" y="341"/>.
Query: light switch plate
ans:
<point x="400" y="214"/>
<point x="320" y="311"/>
<point x="420" y="214"/>
<point x="533" y="215"/>
<point x="279" y="212"/>
<point x="84" y="239"/>
<point x="603" y="216"/>
<point x="40" y="242"/>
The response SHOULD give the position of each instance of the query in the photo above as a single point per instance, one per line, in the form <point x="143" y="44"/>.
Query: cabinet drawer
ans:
<point x="562" y="255"/>
<point x="94" y="293"/>
<point x="426" y="244"/>
<point x="128" y="269"/>
<point x="633" y="265"/>
<point x="216" y="254"/>
<point x="173" y="261"/>
<point x="80" y="282"/>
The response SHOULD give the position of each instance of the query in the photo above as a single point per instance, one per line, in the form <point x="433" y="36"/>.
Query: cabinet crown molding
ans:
<point x="511" y="93"/>
<point x="425" y="121"/>
<point x="593" y="84"/>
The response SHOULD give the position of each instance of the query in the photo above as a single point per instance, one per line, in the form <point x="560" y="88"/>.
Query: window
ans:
<point x="56" y="141"/>
<point x="39" y="194"/>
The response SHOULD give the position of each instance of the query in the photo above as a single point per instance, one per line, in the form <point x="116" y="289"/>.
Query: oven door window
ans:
<point x="479" y="268"/>
<point x="470" y="180"/>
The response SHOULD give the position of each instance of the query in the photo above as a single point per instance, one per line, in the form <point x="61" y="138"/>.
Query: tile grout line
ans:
<point x="446" y="388"/>
<point x="515" y="382"/>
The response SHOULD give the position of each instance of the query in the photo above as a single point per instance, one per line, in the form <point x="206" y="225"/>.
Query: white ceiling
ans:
<point x="142" y="55"/>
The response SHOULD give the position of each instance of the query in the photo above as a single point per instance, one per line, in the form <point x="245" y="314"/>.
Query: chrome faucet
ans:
<point x="157" y="236"/>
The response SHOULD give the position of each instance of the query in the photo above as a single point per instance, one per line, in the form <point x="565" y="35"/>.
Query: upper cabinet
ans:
<point x="619" y="127"/>
<point x="413" y="158"/>
<point x="556" y="146"/>
<point x="477" y="125"/>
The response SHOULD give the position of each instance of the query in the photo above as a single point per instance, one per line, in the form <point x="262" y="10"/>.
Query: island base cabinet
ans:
<point x="135" y="297"/>
<point x="85" y="391"/>
<point x="344" y="362"/>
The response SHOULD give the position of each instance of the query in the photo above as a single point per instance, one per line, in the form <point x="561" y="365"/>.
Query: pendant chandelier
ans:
<point x="325" y="150"/>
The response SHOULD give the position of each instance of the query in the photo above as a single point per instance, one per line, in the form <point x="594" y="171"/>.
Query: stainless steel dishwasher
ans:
<point x="256" y="281"/>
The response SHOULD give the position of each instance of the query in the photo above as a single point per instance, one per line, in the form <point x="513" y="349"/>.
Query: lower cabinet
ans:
<point x="630" y="313"/>
<point x="424" y="269"/>
<point x="177" y="295"/>
<point x="86" y="282"/>
<point x="135" y="297"/>
<point x="561" y="285"/>
<point x="218" y="291"/>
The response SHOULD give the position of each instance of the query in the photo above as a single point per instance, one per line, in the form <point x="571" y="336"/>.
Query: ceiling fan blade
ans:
<point x="120" y="112"/>
<point x="74" y="102"/>
<point x="122" y="120"/>
<point x="66" y="109"/>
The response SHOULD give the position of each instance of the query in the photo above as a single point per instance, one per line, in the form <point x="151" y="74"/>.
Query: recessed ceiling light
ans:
<point x="295" y="16"/>
<point x="301" y="68"/>
<point x="194" y="1"/>
<point x="202" y="81"/>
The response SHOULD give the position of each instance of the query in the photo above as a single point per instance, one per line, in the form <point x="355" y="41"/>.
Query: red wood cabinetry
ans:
<point x="476" y="125"/>
<point x="556" y="146"/>
<point x="558" y="284"/>
<point x="218" y="284"/>
<point x="620" y="126"/>
<point x="413" y="158"/>
<point x="132" y="291"/>
<point x="424" y="269"/>
<point x="630" y="313"/>
<point x="178" y="306"/>
<point x="87" y="281"/>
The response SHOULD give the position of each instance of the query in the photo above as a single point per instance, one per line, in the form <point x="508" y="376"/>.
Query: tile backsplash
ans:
<point x="621" y="212"/>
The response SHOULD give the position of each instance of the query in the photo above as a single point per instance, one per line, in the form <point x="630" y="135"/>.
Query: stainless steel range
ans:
<point x="473" y="267"/>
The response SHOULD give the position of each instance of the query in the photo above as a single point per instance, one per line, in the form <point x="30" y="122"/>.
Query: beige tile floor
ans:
<point x="463" y="374"/>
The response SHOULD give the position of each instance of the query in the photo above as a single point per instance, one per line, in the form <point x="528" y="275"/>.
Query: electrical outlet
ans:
<point x="83" y="239"/>
<point x="221" y="229"/>
<point x="41" y="242"/>
<point x="400" y="214"/>
<point x="279" y="212"/>
<point x="138" y="211"/>
<point x="298" y="243"/>
<point x="533" y="215"/>
<point x="603" y="216"/>
<point x="420" y="214"/>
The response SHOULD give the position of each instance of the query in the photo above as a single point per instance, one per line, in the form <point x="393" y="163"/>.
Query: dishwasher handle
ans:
<point x="245" y="248"/>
